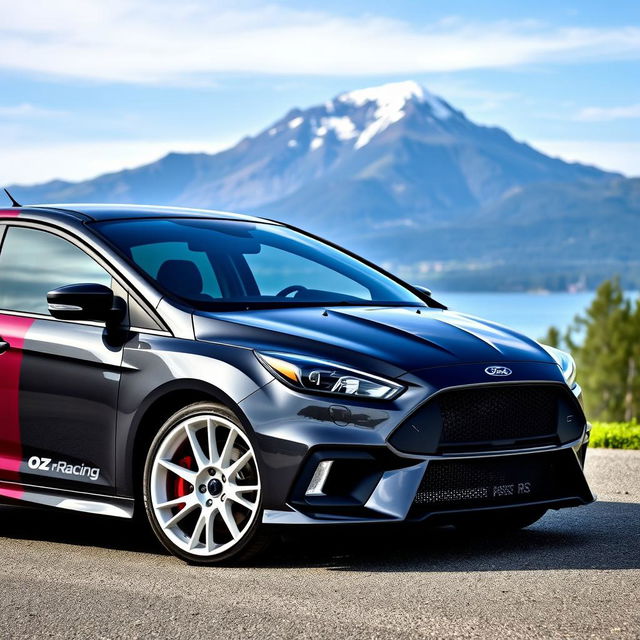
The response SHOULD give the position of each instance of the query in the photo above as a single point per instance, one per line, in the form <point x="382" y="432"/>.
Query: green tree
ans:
<point x="552" y="338"/>
<point x="605" y="342"/>
<point x="632" y="400"/>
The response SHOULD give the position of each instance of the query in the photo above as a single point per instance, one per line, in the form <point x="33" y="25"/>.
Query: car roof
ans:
<point x="103" y="212"/>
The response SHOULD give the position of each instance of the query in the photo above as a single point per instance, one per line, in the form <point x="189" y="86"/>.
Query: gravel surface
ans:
<point x="575" y="574"/>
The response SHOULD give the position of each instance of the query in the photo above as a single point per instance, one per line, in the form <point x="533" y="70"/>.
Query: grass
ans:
<point x="616" y="435"/>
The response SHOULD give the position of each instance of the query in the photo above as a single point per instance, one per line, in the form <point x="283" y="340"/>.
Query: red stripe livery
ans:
<point x="13" y="330"/>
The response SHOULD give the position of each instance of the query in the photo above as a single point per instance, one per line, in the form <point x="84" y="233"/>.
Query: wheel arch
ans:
<point x="156" y="408"/>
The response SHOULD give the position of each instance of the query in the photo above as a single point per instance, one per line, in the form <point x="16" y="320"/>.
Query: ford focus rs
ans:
<point x="222" y="374"/>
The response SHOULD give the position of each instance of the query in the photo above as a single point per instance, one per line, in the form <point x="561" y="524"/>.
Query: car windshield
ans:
<point x="215" y="263"/>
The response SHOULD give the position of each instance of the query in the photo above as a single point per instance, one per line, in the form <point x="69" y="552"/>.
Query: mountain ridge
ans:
<point x="385" y="162"/>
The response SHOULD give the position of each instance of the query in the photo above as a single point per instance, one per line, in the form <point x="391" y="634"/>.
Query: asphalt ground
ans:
<point x="575" y="574"/>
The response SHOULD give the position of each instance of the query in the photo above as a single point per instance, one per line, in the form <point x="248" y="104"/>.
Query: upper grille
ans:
<point x="501" y="413"/>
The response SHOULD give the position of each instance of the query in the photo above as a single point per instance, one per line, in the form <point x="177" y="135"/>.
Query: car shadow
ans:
<point x="69" y="527"/>
<point x="603" y="535"/>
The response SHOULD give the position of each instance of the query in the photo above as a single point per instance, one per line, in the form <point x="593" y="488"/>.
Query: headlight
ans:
<point x="309" y="374"/>
<point x="566" y="363"/>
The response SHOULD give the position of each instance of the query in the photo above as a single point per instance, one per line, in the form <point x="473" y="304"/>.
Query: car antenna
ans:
<point x="14" y="202"/>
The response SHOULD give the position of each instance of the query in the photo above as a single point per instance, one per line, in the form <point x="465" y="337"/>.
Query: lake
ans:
<point x="530" y="313"/>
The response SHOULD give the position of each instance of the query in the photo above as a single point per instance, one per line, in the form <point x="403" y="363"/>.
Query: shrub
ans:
<point x="616" y="435"/>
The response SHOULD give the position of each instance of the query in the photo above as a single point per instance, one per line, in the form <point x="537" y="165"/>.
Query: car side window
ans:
<point x="152" y="257"/>
<point x="33" y="262"/>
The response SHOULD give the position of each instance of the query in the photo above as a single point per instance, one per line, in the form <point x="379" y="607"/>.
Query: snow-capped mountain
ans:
<point x="411" y="149"/>
<point x="358" y="116"/>
<point x="381" y="169"/>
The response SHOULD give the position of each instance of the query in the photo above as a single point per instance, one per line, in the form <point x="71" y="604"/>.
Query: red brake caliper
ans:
<point x="180" y="485"/>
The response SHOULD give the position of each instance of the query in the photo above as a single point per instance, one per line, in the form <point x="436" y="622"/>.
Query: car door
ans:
<point x="59" y="379"/>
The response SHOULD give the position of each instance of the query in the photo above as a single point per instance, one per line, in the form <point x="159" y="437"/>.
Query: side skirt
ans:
<point x="13" y="493"/>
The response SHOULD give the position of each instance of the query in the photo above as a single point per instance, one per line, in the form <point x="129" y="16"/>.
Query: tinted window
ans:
<point x="152" y="256"/>
<point x="214" y="262"/>
<point x="33" y="262"/>
<point x="274" y="269"/>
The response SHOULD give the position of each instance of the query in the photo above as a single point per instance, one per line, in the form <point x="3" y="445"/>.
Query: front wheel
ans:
<point x="202" y="489"/>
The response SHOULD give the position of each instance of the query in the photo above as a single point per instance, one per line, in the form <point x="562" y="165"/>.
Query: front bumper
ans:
<point x="476" y="482"/>
<point x="326" y="463"/>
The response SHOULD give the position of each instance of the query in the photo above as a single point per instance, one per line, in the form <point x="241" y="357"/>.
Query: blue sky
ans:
<point x="92" y="86"/>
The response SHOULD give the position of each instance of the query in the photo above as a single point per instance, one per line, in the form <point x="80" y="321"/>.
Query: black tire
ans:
<point x="501" y="521"/>
<point x="254" y="540"/>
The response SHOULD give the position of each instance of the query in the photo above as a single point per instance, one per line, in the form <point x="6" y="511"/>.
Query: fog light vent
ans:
<point x="320" y="476"/>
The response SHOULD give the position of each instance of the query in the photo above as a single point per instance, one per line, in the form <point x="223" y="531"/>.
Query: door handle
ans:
<point x="4" y="346"/>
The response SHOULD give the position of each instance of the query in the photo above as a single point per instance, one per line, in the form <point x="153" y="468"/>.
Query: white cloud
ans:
<point x="27" y="110"/>
<point x="83" y="160"/>
<point x="623" y="157"/>
<point x="603" y="114"/>
<point x="163" y="41"/>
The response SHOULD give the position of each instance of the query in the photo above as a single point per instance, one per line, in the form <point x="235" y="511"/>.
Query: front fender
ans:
<point x="155" y="367"/>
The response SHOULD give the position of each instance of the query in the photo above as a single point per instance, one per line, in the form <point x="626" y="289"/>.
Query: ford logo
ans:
<point x="498" y="371"/>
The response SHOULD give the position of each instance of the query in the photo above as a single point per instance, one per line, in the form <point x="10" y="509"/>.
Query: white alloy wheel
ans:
<point x="204" y="486"/>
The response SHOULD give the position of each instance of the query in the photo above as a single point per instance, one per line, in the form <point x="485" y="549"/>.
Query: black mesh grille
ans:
<point x="494" y="481"/>
<point x="505" y="413"/>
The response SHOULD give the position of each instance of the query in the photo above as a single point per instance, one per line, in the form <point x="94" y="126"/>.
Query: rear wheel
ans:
<point x="501" y="521"/>
<point x="202" y="489"/>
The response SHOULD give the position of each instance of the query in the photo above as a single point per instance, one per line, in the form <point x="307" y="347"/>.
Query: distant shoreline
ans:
<point x="632" y="293"/>
<point x="527" y="312"/>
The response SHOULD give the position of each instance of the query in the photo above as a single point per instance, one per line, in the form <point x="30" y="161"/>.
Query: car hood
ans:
<point x="405" y="337"/>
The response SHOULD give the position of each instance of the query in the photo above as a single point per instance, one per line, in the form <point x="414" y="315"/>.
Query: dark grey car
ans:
<point x="227" y="374"/>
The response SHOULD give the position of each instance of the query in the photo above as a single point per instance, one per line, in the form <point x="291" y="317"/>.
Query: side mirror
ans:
<point x="426" y="296"/>
<point x="421" y="289"/>
<point x="82" y="302"/>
